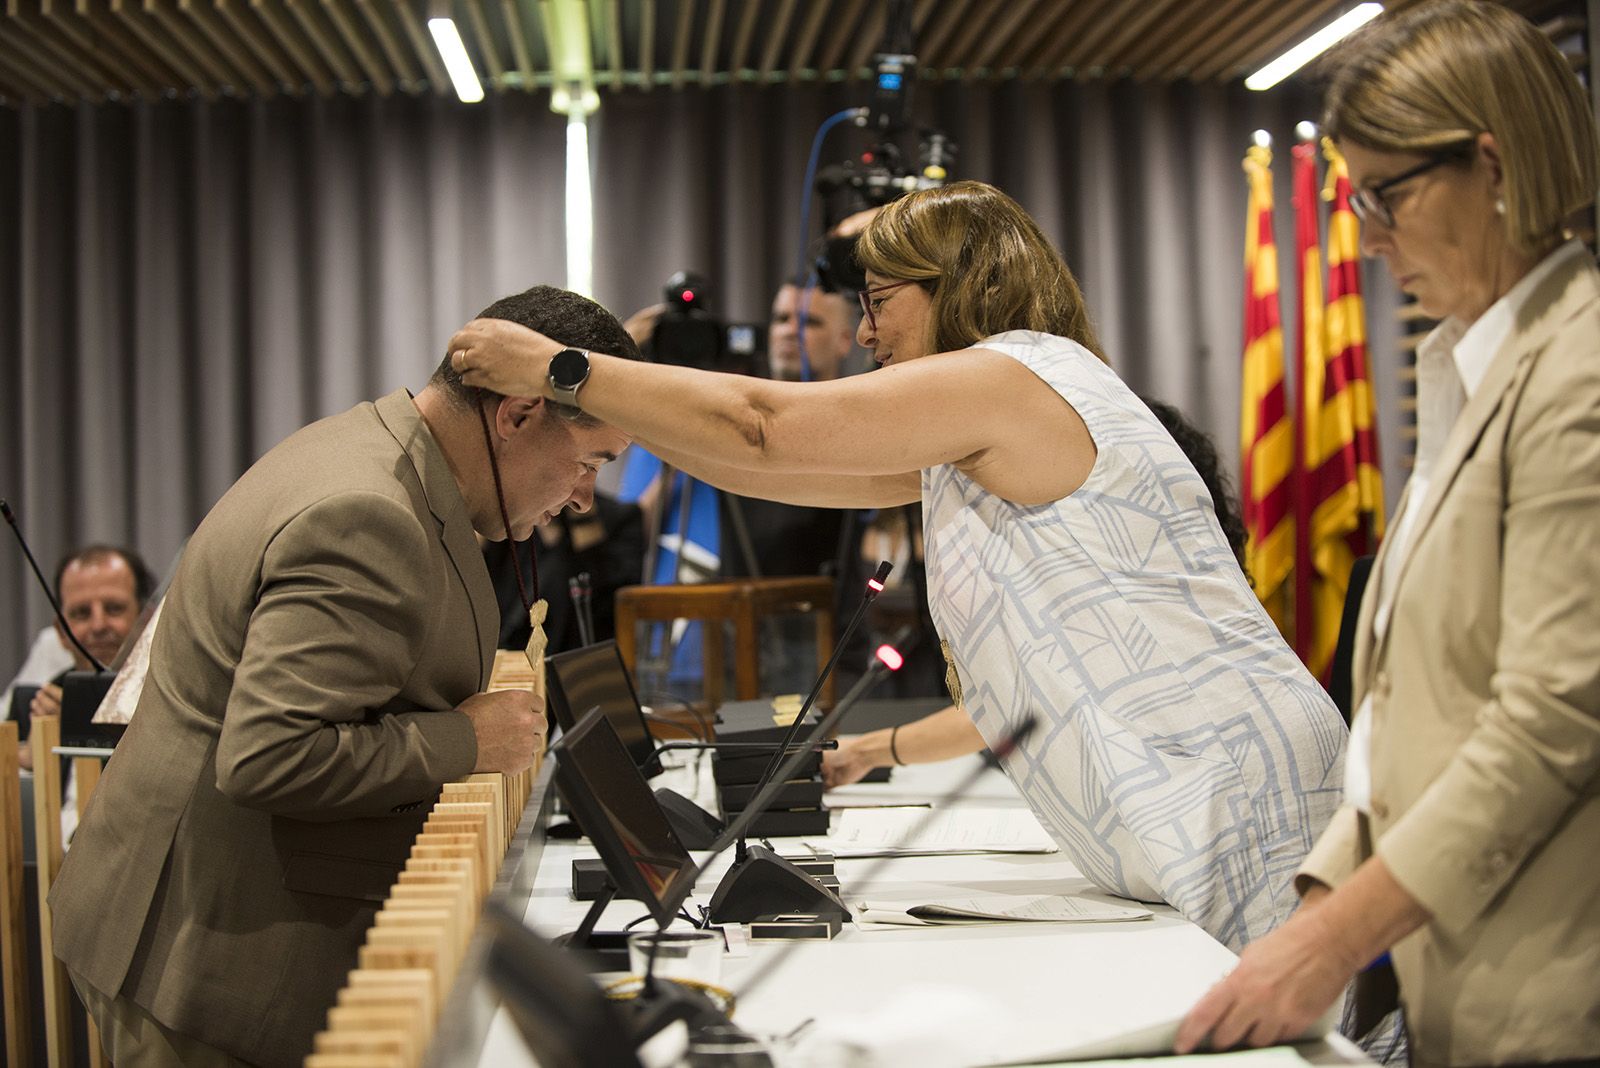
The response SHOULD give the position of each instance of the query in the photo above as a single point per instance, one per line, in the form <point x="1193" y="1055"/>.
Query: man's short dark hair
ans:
<point x="143" y="583"/>
<point x="556" y="313"/>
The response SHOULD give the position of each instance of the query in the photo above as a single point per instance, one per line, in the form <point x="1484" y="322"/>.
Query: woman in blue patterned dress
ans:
<point x="1076" y="570"/>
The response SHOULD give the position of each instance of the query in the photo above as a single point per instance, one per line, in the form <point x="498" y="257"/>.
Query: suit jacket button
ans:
<point x="1381" y="684"/>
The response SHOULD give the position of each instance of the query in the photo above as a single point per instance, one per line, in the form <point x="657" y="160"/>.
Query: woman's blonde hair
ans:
<point x="983" y="260"/>
<point x="1435" y="76"/>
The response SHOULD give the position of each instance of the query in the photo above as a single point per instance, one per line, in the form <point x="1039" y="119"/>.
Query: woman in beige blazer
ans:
<point x="1467" y="842"/>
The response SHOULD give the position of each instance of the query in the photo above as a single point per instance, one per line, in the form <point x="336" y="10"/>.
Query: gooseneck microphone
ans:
<point x="66" y="628"/>
<point x="1006" y="747"/>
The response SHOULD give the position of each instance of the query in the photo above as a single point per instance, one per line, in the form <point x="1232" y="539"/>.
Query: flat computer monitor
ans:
<point x="595" y="676"/>
<point x="563" y="1016"/>
<point x="608" y="795"/>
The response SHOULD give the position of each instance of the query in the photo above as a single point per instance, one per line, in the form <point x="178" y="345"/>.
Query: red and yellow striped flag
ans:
<point x="1266" y="442"/>
<point x="1341" y="491"/>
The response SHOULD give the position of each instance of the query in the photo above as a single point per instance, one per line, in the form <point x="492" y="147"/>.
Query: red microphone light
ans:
<point x="890" y="657"/>
<point x="874" y="585"/>
<point x="688" y="296"/>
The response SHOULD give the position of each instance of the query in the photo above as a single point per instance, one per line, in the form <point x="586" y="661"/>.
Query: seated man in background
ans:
<point x="735" y="537"/>
<point x="101" y="590"/>
<point x="316" y="675"/>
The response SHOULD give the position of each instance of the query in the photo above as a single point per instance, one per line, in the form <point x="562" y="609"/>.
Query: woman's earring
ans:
<point x="1500" y="205"/>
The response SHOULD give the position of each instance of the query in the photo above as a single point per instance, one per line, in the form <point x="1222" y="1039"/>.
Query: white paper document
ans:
<point x="1276" y="1057"/>
<point x="918" y="832"/>
<point x="1054" y="908"/>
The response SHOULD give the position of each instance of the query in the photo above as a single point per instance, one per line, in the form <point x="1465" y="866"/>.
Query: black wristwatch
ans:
<point x="569" y="370"/>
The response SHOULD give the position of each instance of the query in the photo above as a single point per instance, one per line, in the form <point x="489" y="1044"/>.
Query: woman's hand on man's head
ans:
<point x="504" y="357"/>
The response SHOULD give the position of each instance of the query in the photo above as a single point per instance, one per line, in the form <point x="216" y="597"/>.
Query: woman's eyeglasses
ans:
<point x="1370" y="202"/>
<point x="871" y="301"/>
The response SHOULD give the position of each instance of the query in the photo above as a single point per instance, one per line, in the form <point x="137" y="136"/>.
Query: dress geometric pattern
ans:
<point x="1183" y="753"/>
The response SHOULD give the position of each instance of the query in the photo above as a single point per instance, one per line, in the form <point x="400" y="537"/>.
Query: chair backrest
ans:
<point x="740" y="607"/>
<point x="13" y="905"/>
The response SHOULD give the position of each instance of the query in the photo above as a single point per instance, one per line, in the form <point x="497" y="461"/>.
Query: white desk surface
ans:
<point x="948" y="995"/>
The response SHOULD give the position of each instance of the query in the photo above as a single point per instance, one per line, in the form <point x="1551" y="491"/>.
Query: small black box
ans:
<point x="787" y="926"/>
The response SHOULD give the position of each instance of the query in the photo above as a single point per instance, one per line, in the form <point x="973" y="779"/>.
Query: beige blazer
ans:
<point x="327" y="617"/>
<point x="1486" y="709"/>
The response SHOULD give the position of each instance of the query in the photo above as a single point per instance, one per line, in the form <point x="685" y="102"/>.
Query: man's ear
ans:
<point x="513" y="414"/>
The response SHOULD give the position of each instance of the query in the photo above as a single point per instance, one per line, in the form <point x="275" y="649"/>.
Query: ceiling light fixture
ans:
<point x="1313" y="46"/>
<point x="453" y="51"/>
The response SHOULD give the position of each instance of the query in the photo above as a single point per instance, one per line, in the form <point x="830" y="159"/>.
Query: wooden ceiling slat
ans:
<point x="1134" y="29"/>
<point x="185" y="36"/>
<point x="421" y="45"/>
<point x="775" y="36"/>
<point x="258" y="40"/>
<point x="712" y="41"/>
<point x="228" y="44"/>
<point x="298" y="51"/>
<point x="61" y="20"/>
<point x="680" y="41"/>
<point x="957" y="51"/>
<point x="1174" y="29"/>
<point x="944" y="20"/>
<point x="1047" y="59"/>
<point x="322" y="42"/>
<point x="106" y="29"/>
<point x="519" y="41"/>
<point x="647" y="44"/>
<point x="360" y="46"/>
<point x="64" y="68"/>
<point x="479" y="21"/>
<point x="172" y="56"/>
<point x="12" y="90"/>
<point x="806" y="42"/>
<point x="399" y="59"/>
<point x="869" y="40"/>
<point x="1087" y="52"/>
<point x="844" y="27"/>
<point x="1225" y="13"/>
<point x="1003" y="35"/>
<point x="1043" y="38"/>
<point x="1268" y="37"/>
<point x="101" y="77"/>
<point x="39" y="83"/>
<point x="746" y="33"/>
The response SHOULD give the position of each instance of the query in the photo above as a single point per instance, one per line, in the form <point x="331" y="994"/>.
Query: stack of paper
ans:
<point x="912" y="832"/>
<point x="1054" y="908"/>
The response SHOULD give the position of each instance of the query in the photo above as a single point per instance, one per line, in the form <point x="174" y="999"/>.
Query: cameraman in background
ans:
<point x="810" y="337"/>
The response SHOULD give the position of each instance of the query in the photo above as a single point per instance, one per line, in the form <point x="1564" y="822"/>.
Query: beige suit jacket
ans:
<point x="326" y="619"/>
<point x="1486" y="709"/>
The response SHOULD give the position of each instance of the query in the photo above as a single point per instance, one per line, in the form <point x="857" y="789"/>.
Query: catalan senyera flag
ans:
<point x="1310" y="358"/>
<point x="1340" y="495"/>
<point x="1266" y="439"/>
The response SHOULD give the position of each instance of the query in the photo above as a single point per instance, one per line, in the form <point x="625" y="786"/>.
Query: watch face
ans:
<point x="568" y="368"/>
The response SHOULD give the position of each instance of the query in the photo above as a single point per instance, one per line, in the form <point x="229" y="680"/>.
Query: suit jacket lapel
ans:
<point x="1551" y="304"/>
<point x="400" y="415"/>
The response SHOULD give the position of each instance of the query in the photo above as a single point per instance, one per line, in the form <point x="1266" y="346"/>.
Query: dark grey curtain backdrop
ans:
<point x="183" y="284"/>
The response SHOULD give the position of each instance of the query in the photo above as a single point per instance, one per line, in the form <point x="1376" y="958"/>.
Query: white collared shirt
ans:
<point x="1451" y="364"/>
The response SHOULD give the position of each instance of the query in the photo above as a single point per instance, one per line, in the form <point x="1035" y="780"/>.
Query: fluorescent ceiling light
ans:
<point x="580" y="207"/>
<point x="1313" y="46"/>
<point x="454" y="53"/>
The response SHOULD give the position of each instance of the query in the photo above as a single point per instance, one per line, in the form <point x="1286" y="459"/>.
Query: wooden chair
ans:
<point x="45" y="736"/>
<point x="13" y="907"/>
<point x="740" y="607"/>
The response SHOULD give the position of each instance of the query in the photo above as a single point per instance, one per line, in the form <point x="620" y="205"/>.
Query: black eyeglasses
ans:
<point x="1369" y="202"/>
<point x="871" y="301"/>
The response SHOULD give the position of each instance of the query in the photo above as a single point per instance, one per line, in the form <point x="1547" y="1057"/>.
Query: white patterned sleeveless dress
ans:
<point x="1183" y="753"/>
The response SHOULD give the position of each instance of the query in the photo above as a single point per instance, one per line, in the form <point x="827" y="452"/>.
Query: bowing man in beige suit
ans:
<point x="1467" y="843"/>
<point x="316" y="676"/>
